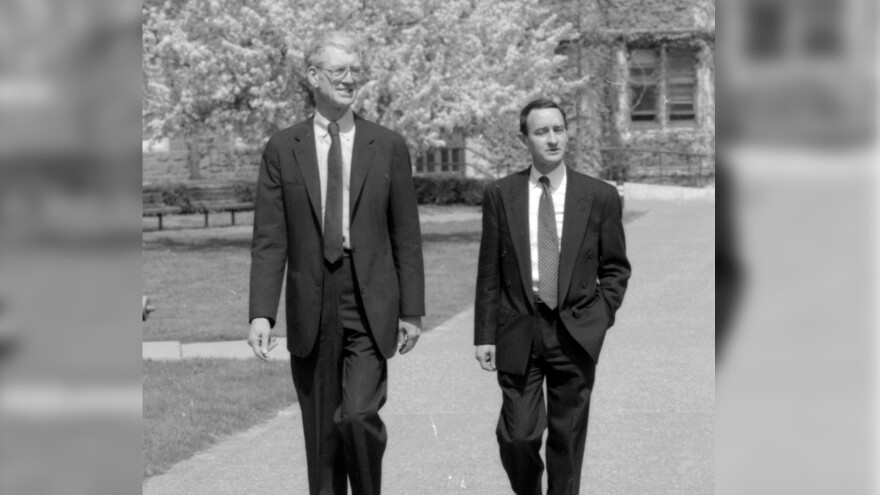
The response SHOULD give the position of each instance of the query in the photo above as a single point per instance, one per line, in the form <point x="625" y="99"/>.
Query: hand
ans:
<point x="408" y="331"/>
<point x="260" y="338"/>
<point x="485" y="354"/>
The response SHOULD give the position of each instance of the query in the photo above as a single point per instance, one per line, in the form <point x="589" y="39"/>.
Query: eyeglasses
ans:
<point x="358" y="74"/>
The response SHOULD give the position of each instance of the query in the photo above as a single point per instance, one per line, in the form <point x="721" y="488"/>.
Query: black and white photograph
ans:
<point x="387" y="244"/>
<point x="437" y="247"/>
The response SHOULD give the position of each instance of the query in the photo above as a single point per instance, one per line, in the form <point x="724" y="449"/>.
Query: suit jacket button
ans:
<point x="508" y="283"/>
<point x="363" y="290"/>
<point x="583" y="285"/>
<point x="590" y="254"/>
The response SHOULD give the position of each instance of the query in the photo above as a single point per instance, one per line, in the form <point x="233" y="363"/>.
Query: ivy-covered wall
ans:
<point x="697" y="136"/>
<point x="660" y="15"/>
<point x="605" y="141"/>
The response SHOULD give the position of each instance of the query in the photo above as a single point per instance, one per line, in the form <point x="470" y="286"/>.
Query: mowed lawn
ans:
<point x="198" y="279"/>
<point x="190" y="405"/>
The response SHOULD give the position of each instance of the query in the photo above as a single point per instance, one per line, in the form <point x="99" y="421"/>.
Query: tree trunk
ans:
<point x="194" y="157"/>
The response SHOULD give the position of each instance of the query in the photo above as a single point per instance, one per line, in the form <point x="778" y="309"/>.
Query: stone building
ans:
<point x="648" y="113"/>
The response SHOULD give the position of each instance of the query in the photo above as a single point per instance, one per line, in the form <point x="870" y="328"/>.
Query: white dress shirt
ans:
<point x="322" y="143"/>
<point x="557" y="186"/>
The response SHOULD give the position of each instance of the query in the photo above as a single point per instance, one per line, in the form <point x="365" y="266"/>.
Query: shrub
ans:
<point x="185" y="194"/>
<point x="435" y="190"/>
<point x="176" y="195"/>
<point x="447" y="190"/>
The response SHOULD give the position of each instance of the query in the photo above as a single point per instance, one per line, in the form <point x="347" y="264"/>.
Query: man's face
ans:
<point x="336" y="93"/>
<point x="547" y="137"/>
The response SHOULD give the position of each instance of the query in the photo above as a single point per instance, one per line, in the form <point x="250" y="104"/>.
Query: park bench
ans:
<point x="201" y="198"/>
<point x="154" y="205"/>
<point x="211" y="198"/>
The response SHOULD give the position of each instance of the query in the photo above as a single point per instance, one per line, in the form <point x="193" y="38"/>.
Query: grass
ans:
<point x="200" y="292"/>
<point x="198" y="279"/>
<point x="450" y="250"/>
<point x="191" y="404"/>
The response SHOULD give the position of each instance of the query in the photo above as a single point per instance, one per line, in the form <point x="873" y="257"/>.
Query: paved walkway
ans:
<point x="652" y="418"/>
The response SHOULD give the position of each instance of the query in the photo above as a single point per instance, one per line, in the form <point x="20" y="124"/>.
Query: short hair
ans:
<point x="538" y="104"/>
<point x="339" y="39"/>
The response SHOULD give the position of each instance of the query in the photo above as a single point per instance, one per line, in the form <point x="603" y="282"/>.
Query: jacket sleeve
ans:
<point x="269" y="245"/>
<point x="614" y="268"/>
<point x="488" y="275"/>
<point x="405" y="233"/>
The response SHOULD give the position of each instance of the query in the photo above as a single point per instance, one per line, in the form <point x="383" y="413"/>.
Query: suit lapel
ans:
<point x="306" y="156"/>
<point x="578" y="203"/>
<point x="516" y="208"/>
<point x="361" y="160"/>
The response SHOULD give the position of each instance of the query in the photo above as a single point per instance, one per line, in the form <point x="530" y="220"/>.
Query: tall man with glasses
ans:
<point x="336" y="207"/>
<point x="552" y="273"/>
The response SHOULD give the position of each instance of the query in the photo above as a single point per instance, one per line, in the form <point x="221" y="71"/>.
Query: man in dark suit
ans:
<point x="552" y="273"/>
<point x="336" y="207"/>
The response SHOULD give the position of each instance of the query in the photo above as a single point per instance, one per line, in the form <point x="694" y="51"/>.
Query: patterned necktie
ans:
<point x="333" y="204"/>
<point x="548" y="247"/>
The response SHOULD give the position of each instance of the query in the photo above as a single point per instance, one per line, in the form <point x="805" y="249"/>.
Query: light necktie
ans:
<point x="548" y="247"/>
<point x="333" y="204"/>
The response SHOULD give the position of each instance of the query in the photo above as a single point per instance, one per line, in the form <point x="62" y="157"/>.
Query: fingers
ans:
<point x="262" y="345"/>
<point x="265" y="349"/>
<point x="409" y="335"/>
<point x="486" y="358"/>
<point x="260" y="338"/>
<point x="486" y="363"/>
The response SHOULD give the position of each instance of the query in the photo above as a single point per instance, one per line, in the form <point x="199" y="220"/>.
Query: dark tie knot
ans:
<point x="333" y="128"/>
<point x="545" y="183"/>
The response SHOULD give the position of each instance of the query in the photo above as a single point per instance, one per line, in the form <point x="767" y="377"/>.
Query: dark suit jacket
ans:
<point x="593" y="268"/>
<point x="384" y="231"/>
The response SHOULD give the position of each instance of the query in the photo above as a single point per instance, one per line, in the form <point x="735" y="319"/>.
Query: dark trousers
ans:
<point x="341" y="386"/>
<point x="569" y="372"/>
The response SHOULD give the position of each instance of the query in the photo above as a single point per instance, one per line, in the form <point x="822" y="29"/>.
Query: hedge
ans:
<point x="181" y="194"/>
<point x="430" y="189"/>
<point x="448" y="190"/>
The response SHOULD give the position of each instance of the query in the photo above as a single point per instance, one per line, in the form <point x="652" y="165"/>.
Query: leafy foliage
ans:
<point x="226" y="71"/>
<point x="446" y="190"/>
<point x="433" y="190"/>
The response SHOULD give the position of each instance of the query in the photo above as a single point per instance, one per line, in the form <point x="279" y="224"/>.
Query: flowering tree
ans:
<point x="466" y="66"/>
<point x="220" y="69"/>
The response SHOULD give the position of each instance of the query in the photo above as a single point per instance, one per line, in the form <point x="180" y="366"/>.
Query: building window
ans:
<point x="644" y="74"/>
<point x="681" y="84"/>
<point x="665" y="74"/>
<point x="441" y="160"/>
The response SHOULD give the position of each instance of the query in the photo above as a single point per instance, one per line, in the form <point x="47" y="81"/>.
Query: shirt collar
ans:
<point x="346" y="123"/>
<point x="557" y="176"/>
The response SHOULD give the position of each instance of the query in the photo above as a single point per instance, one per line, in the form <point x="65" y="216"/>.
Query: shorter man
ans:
<point x="552" y="273"/>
